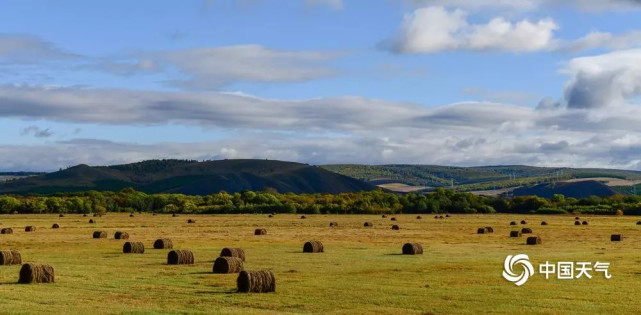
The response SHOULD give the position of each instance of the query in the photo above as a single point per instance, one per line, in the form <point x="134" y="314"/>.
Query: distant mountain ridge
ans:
<point x="190" y="177"/>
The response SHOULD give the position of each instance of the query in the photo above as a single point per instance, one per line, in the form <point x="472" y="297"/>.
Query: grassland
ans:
<point x="361" y="271"/>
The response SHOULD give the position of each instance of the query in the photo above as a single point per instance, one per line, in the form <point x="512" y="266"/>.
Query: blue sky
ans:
<point x="457" y="82"/>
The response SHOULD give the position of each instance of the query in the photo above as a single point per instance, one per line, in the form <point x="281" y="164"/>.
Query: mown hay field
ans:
<point x="360" y="271"/>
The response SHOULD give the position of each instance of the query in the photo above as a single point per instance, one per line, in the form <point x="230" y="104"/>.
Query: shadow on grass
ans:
<point x="227" y="292"/>
<point x="396" y="254"/>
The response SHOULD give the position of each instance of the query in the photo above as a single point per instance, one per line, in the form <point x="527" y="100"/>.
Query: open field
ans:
<point x="361" y="270"/>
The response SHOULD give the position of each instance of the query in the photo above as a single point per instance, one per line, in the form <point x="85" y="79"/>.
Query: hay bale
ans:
<point x="84" y="214"/>
<point x="121" y="235"/>
<point x="526" y="231"/>
<point x="61" y="215"/>
<point x="163" y="243"/>
<point x="447" y="215"/>
<point x="226" y="264"/>
<point x="99" y="234"/>
<point x="260" y="232"/>
<point x="638" y="222"/>
<point x="10" y="257"/>
<point x="270" y="216"/>
<point x="233" y="252"/>
<point x="368" y="224"/>
<point x="191" y="221"/>
<point x="173" y="215"/>
<point x="515" y="233"/>
<point x="180" y="257"/>
<point x="36" y="273"/>
<point x="153" y="213"/>
<point x="6" y="231"/>
<point x="55" y="226"/>
<point x="333" y="224"/>
<point x="489" y="229"/>
<point x="395" y="227"/>
<point x="393" y="219"/>
<point x="313" y="247"/>
<point x="91" y="221"/>
<point x="384" y="216"/>
<point x="513" y="223"/>
<point x="440" y="217"/>
<point x="133" y="248"/>
<point x="131" y="215"/>
<point x="544" y="223"/>
<point x="30" y="228"/>
<point x="481" y="231"/>
<point x="533" y="240"/>
<point x="303" y="217"/>
<point x="577" y="222"/>
<point x="435" y="217"/>
<point x="523" y="222"/>
<point x="616" y="237"/>
<point x="418" y="217"/>
<point x="585" y="223"/>
<point x="95" y="215"/>
<point x="412" y="249"/>
<point x="256" y="281"/>
<point x="576" y="218"/>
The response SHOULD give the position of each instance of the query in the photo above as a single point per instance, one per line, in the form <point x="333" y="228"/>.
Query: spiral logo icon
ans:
<point x="508" y="270"/>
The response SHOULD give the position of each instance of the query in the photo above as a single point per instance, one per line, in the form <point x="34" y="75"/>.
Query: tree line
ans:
<point x="372" y="202"/>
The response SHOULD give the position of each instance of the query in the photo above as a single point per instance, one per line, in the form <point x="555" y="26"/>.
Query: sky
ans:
<point x="458" y="82"/>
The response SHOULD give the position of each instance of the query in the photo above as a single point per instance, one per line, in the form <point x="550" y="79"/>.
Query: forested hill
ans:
<point x="470" y="178"/>
<point x="190" y="177"/>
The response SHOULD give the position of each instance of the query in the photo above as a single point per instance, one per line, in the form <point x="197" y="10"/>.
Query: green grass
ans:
<point x="361" y="270"/>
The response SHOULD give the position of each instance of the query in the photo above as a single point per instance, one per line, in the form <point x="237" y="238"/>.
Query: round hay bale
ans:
<point x="6" y="231"/>
<point x="131" y="215"/>
<point x="226" y="264"/>
<point x="30" y="228"/>
<point x="313" y="247"/>
<point x="260" y="232"/>
<point x="435" y="217"/>
<point x="99" y="234"/>
<point x="638" y="222"/>
<point x="418" y="217"/>
<point x="526" y="231"/>
<point x="163" y="243"/>
<point x="412" y="249"/>
<point x="10" y="257"/>
<point x="393" y="219"/>
<point x="513" y="223"/>
<point x="84" y="214"/>
<point x="303" y="217"/>
<point x="384" y="216"/>
<point x="368" y="224"/>
<point x="481" y="231"/>
<point x="153" y="213"/>
<point x="489" y="229"/>
<point x="95" y="215"/>
<point x="523" y="222"/>
<point x="233" y="252"/>
<point x="440" y="217"/>
<point x="180" y="257"/>
<point x="576" y="218"/>
<point x="256" y="281"/>
<point x="447" y="215"/>
<point x="92" y="221"/>
<point x="544" y="223"/>
<point x="515" y="233"/>
<point x="191" y="221"/>
<point x="173" y="215"/>
<point x="577" y="222"/>
<point x="616" y="237"/>
<point x="270" y="216"/>
<point x="61" y="215"/>
<point x="36" y="273"/>
<point x="333" y="224"/>
<point x="133" y="248"/>
<point x="55" y="226"/>
<point x="585" y="223"/>
<point x="533" y="240"/>
<point x="395" y="227"/>
<point x="121" y="235"/>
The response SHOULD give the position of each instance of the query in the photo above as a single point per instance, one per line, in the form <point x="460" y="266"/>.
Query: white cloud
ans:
<point x="595" y="40"/>
<point x="435" y="29"/>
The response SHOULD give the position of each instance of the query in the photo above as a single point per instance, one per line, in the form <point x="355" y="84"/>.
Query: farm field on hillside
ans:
<point x="361" y="271"/>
